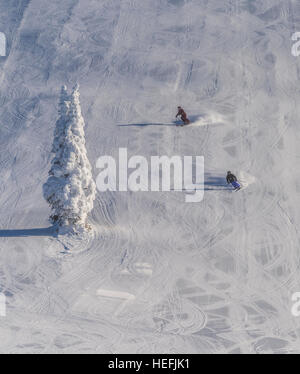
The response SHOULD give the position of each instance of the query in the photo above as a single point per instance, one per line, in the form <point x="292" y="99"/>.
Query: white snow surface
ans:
<point x="158" y="275"/>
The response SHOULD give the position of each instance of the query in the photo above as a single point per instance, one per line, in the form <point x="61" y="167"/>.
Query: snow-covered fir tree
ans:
<point x="70" y="188"/>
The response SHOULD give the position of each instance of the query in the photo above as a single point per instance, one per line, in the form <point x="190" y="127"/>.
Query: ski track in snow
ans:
<point x="158" y="275"/>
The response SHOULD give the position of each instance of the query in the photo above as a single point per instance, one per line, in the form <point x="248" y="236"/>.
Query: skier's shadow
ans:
<point x="47" y="231"/>
<point x="146" y="124"/>
<point x="176" y="122"/>
<point x="215" y="183"/>
<point x="212" y="183"/>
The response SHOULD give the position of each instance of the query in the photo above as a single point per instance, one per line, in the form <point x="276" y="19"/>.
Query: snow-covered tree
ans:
<point x="70" y="188"/>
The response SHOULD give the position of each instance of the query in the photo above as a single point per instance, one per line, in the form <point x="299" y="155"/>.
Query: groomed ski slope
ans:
<point x="159" y="275"/>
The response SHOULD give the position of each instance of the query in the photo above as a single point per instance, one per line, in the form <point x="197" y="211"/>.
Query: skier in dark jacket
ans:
<point x="231" y="178"/>
<point x="183" y="115"/>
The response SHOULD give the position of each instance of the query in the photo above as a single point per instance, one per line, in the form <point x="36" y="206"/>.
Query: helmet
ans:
<point x="228" y="172"/>
<point x="179" y="107"/>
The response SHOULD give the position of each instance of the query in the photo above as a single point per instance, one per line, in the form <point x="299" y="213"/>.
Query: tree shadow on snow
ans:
<point x="47" y="231"/>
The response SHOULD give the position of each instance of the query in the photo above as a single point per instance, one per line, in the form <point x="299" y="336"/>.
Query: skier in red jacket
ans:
<point x="183" y="116"/>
